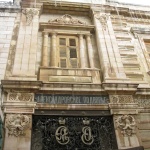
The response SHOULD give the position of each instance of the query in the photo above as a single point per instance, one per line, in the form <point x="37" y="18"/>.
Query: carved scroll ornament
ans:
<point x="24" y="97"/>
<point x="66" y="19"/>
<point x="30" y="13"/>
<point x="127" y="124"/>
<point x="17" y="124"/>
<point x="103" y="18"/>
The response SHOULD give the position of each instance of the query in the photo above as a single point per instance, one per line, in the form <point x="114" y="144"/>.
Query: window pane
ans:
<point x="73" y="63"/>
<point x="62" y="41"/>
<point x="63" y="52"/>
<point x="73" y="53"/>
<point x="63" y="63"/>
<point x="72" y="42"/>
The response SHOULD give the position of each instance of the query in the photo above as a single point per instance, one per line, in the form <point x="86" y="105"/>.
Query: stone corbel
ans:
<point x="30" y="13"/>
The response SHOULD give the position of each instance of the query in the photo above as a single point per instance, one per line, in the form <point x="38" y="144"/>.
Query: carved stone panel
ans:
<point x="22" y="97"/>
<point x="123" y="99"/>
<point x="17" y="124"/>
<point x="127" y="124"/>
<point x="67" y="19"/>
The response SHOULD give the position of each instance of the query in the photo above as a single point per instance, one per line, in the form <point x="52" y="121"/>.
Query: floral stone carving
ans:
<point x="67" y="19"/>
<point x="30" y="13"/>
<point x="24" y="97"/>
<point x="103" y="18"/>
<point x="123" y="99"/>
<point x="17" y="124"/>
<point x="127" y="124"/>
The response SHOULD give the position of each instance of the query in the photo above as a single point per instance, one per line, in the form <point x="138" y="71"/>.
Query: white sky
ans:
<point x="141" y="2"/>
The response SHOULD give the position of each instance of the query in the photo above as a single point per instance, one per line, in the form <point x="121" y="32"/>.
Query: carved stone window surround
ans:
<point x="142" y="34"/>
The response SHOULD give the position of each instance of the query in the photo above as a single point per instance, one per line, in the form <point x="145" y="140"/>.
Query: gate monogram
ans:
<point x="87" y="137"/>
<point x="62" y="133"/>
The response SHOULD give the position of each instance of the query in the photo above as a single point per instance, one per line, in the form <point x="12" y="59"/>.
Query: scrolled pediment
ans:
<point x="66" y="19"/>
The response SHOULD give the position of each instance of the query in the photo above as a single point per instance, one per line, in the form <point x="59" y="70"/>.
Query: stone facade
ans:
<point x="67" y="59"/>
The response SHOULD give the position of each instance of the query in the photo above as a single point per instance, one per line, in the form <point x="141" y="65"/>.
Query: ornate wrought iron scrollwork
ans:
<point x="73" y="133"/>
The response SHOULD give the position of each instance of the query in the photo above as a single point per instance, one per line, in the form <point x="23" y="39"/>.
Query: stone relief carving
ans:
<point x="103" y="18"/>
<point x="143" y="101"/>
<point x="24" y="97"/>
<point x="121" y="99"/>
<point x="17" y="124"/>
<point x="127" y="124"/>
<point x="67" y="19"/>
<point x="30" y="13"/>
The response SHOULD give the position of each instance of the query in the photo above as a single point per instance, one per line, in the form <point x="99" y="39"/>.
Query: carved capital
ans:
<point x="66" y="19"/>
<point x="22" y="97"/>
<point x="30" y="13"/>
<point x="123" y="99"/>
<point x="17" y="124"/>
<point x="127" y="124"/>
<point x="103" y="18"/>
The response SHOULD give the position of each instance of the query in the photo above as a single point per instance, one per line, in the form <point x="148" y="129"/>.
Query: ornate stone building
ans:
<point x="74" y="75"/>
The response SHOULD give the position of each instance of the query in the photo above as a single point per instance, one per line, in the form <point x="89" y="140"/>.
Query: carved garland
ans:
<point x="121" y="99"/>
<point x="17" y="124"/>
<point x="127" y="124"/>
<point x="30" y="13"/>
<point x="103" y="18"/>
<point x="24" y="97"/>
<point x="66" y="19"/>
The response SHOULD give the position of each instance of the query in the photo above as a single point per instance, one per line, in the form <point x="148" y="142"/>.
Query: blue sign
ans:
<point x="71" y="99"/>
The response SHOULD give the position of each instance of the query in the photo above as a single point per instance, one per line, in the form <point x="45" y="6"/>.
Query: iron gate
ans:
<point x="73" y="133"/>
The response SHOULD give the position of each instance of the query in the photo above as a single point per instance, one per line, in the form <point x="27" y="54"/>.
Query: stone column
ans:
<point x="53" y="56"/>
<point x="90" y="51"/>
<point x="45" y="50"/>
<point x="82" y="52"/>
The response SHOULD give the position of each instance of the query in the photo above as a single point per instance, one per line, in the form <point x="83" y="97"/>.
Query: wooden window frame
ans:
<point x="67" y="47"/>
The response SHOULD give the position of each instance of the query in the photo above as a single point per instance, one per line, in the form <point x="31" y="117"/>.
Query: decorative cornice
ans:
<point x="66" y="19"/>
<point x="30" y="13"/>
